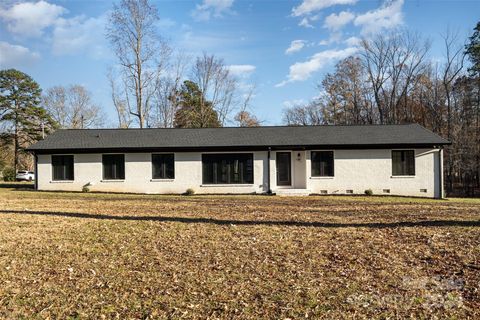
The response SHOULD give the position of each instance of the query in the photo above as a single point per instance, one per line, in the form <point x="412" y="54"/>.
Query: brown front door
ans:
<point x="284" y="169"/>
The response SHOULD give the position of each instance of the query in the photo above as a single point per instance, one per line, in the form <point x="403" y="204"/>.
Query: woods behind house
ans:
<point x="390" y="79"/>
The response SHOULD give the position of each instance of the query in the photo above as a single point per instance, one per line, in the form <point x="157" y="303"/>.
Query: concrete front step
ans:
<point x="292" y="192"/>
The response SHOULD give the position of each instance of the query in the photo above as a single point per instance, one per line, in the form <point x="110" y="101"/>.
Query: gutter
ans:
<point x="269" y="190"/>
<point x="223" y="148"/>
<point x="35" y="157"/>
<point x="440" y="172"/>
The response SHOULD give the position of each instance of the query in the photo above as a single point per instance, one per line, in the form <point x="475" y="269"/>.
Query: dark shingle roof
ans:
<point x="276" y="137"/>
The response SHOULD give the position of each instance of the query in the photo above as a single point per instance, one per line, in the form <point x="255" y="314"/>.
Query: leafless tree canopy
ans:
<point x="391" y="81"/>
<point x="148" y="77"/>
<point x="304" y="115"/>
<point x="72" y="107"/>
<point x="141" y="55"/>
<point x="219" y="90"/>
<point x="166" y="100"/>
<point x="216" y="83"/>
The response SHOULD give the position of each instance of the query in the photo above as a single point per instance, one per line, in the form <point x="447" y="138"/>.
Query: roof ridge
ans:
<point x="274" y="126"/>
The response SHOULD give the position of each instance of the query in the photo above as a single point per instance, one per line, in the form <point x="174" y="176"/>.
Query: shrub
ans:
<point x="9" y="174"/>
<point x="369" y="192"/>
<point x="189" y="192"/>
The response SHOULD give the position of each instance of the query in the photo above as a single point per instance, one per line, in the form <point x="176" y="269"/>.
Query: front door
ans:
<point x="284" y="169"/>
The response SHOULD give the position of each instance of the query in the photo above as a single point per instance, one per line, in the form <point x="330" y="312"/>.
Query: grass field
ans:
<point x="74" y="255"/>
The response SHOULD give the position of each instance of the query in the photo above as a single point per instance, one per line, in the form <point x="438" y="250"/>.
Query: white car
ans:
<point x="23" y="175"/>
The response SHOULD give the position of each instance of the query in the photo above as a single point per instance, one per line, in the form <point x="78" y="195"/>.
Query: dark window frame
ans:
<point x="67" y="175"/>
<point x="118" y="171"/>
<point x="228" y="168"/>
<point x="165" y="172"/>
<point x="322" y="173"/>
<point x="404" y="169"/>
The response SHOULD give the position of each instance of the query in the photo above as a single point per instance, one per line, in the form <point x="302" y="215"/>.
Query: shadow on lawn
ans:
<point x="379" y="225"/>
<point x="17" y="185"/>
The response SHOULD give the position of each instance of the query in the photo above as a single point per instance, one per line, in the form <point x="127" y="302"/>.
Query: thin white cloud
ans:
<point x="293" y="103"/>
<point x="307" y="21"/>
<point x="335" y="37"/>
<point x="241" y="70"/>
<point x="194" y="42"/>
<point x="30" y="19"/>
<point x="309" y="6"/>
<point x="301" y="71"/>
<point x="80" y="35"/>
<point x="16" y="56"/>
<point x="295" y="46"/>
<point x="353" y="41"/>
<point x="388" y="16"/>
<point x="212" y="8"/>
<point x="166" y="23"/>
<point x="335" y="22"/>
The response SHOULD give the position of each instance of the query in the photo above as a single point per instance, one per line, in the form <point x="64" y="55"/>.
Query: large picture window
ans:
<point x="163" y="166"/>
<point x="113" y="166"/>
<point x="322" y="164"/>
<point x="403" y="163"/>
<point x="227" y="168"/>
<point x="62" y="168"/>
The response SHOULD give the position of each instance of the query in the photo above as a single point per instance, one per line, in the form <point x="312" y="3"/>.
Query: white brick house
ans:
<point x="388" y="159"/>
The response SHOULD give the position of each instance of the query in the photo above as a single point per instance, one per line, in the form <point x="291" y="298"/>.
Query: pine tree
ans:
<point x="473" y="51"/>
<point x="194" y="111"/>
<point x="20" y="110"/>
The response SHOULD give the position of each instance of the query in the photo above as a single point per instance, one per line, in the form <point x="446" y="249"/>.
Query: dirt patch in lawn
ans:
<point x="248" y="257"/>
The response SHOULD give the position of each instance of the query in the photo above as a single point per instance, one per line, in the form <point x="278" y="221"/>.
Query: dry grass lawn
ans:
<point x="80" y="256"/>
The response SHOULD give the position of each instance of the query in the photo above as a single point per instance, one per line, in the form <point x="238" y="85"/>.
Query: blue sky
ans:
<point x="284" y="47"/>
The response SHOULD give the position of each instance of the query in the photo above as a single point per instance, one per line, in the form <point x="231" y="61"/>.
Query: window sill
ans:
<point x="61" y="181"/>
<point x="112" y="181"/>
<point x="402" y="177"/>
<point x="162" y="180"/>
<point x="320" y="178"/>
<point x="227" y="185"/>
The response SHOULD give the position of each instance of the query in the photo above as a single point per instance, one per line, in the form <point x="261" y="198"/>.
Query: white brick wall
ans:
<point x="355" y="170"/>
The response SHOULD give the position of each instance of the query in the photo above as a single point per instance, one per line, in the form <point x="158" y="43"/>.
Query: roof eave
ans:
<point x="235" y="148"/>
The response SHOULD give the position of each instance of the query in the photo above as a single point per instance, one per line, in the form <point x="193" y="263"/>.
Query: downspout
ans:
<point x="269" y="190"/>
<point x="35" y="157"/>
<point x="440" y="173"/>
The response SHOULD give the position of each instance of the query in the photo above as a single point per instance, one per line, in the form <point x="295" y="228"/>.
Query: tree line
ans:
<point x="392" y="80"/>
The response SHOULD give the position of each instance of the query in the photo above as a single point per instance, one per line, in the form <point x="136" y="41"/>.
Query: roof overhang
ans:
<point x="235" y="148"/>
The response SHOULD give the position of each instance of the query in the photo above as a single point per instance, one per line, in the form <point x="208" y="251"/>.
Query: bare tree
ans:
<point x="140" y="51"/>
<point x="453" y="65"/>
<point x="72" y="107"/>
<point x="119" y="99"/>
<point x="216" y="83"/>
<point x="310" y="114"/>
<point x="244" y="117"/>
<point x="165" y="100"/>
<point x="393" y="63"/>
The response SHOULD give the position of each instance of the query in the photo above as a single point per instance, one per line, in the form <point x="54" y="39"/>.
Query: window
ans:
<point x="403" y="163"/>
<point x="163" y="166"/>
<point x="322" y="164"/>
<point x="62" y="168"/>
<point x="227" y="168"/>
<point x="113" y="166"/>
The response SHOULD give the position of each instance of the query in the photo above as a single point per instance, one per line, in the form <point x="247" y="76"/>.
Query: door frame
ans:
<point x="290" y="169"/>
